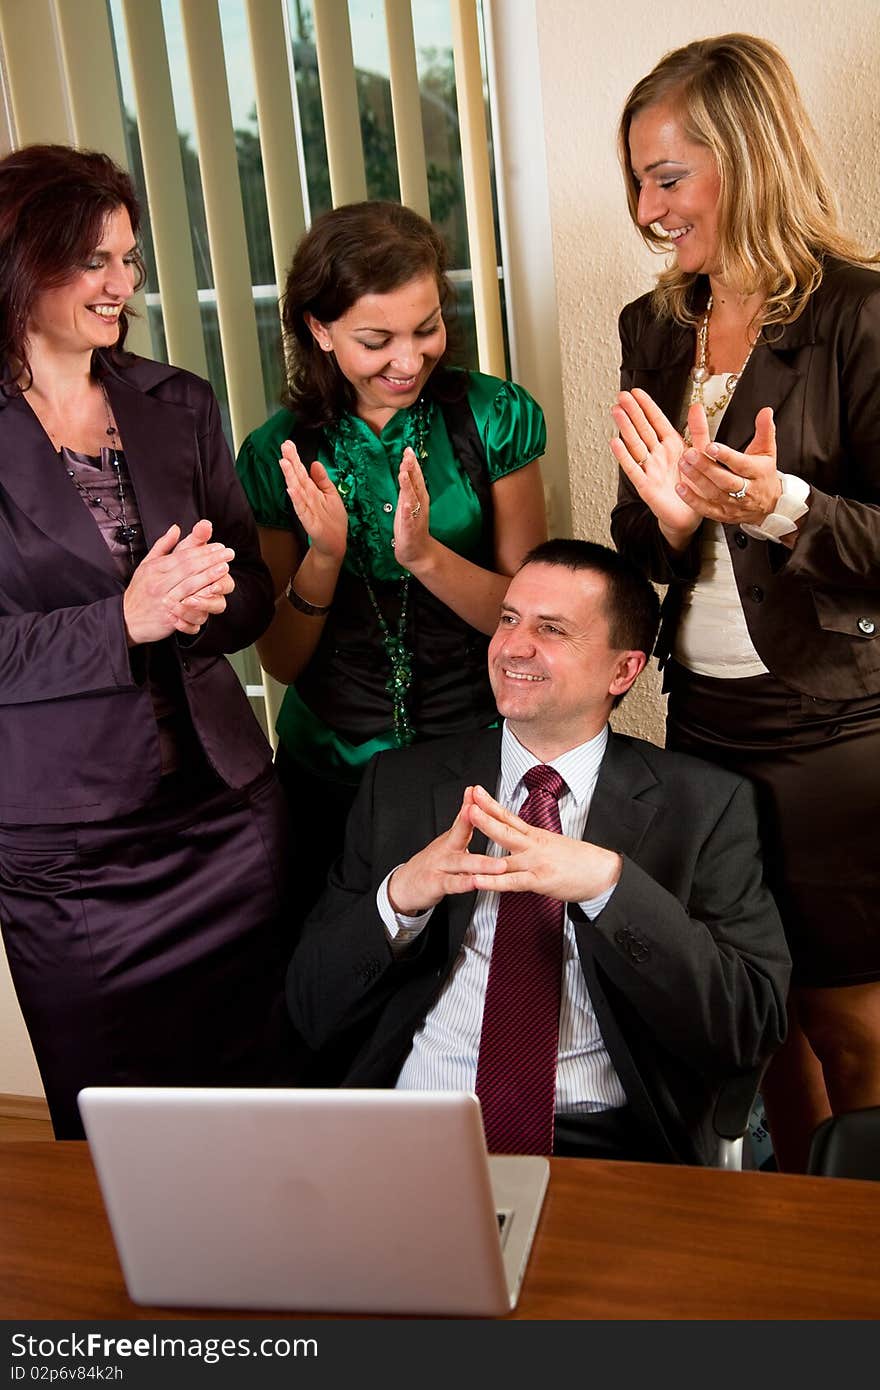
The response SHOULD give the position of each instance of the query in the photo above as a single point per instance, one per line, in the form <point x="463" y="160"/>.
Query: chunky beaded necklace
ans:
<point x="399" y="656"/>
<point x="126" y="532"/>
<point x="700" y="374"/>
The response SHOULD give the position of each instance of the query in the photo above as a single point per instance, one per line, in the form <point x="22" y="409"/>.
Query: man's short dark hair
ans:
<point x="632" y="607"/>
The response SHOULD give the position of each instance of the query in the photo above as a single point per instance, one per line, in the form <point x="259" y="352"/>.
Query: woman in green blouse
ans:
<point x="395" y="495"/>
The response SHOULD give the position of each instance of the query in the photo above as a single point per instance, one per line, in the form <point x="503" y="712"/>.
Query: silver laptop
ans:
<point x="345" y="1201"/>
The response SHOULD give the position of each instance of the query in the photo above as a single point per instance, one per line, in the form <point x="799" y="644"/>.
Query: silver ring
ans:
<point x="738" y="496"/>
<point x="414" y="511"/>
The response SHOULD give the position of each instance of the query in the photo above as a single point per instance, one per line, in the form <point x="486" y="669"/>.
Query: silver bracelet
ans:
<point x="302" y="605"/>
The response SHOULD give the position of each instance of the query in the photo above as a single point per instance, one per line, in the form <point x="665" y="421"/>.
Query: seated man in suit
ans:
<point x="589" y="945"/>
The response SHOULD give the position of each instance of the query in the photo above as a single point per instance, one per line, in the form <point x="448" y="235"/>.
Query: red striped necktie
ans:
<point x="516" y="1069"/>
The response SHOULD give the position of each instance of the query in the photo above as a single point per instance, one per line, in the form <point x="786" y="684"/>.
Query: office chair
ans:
<point x="847" y="1146"/>
<point x="730" y="1119"/>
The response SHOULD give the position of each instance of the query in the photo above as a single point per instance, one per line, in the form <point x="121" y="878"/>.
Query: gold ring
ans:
<point x="414" y="511"/>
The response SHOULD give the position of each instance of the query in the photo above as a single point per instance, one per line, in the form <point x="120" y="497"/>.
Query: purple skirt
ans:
<point x="151" y="950"/>
<point x="816" y="768"/>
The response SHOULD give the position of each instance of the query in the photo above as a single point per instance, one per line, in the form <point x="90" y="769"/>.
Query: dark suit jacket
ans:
<point x="687" y="966"/>
<point x="813" y="613"/>
<point x="78" y="739"/>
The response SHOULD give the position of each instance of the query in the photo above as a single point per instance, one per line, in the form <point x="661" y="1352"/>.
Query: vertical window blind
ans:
<point x="239" y="121"/>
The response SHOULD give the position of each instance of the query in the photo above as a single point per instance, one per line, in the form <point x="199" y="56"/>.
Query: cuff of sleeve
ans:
<point x="129" y="664"/>
<point x="790" y="507"/>
<point x="399" y="929"/>
<point x="591" y="907"/>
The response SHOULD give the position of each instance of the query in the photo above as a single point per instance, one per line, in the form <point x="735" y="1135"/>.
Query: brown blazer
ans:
<point x="813" y="613"/>
<point x="78" y="736"/>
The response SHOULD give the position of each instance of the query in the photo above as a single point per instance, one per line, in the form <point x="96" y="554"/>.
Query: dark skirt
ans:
<point x="151" y="950"/>
<point x="318" y="808"/>
<point x="816" y="767"/>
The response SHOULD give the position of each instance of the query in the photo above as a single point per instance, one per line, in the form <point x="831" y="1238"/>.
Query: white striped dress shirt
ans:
<point x="445" y="1048"/>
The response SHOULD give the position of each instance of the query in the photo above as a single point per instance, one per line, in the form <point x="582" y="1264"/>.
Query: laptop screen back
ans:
<point x="307" y="1200"/>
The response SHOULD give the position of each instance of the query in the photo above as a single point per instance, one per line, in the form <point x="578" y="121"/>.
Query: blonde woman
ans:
<point x="749" y="448"/>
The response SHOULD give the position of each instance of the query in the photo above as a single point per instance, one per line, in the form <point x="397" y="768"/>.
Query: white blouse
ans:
<point x="712" y="638"/>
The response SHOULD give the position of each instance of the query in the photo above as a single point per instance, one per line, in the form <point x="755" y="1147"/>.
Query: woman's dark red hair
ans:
<point x="54" y="204"/>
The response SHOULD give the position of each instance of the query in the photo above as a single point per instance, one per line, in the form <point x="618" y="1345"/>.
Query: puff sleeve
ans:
<point x="510" y="423"/>
<point x="260" y="475"/>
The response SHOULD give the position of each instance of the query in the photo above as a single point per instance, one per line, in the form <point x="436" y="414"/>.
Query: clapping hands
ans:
<point x="316" y="502"/>
<point x="726" y="485"/>
<point x="177" y="585"/>
<point x="412" y="536"/>
<point x="683" y="484"/>
<point x="650" y="451"/>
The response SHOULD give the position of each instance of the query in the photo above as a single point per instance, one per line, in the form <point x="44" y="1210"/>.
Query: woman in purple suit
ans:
<point x="142" y="836"/>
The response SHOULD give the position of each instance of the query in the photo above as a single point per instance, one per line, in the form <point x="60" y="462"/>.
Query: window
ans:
<point x="229" y="181"/>
<point x="309" y="166"/>
<point x="436" y="78"/>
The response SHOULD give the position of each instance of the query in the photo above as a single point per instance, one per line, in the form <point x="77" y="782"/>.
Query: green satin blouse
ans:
<point x="511" y="428"/>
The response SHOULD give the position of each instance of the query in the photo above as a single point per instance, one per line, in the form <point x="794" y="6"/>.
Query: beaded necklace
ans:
<point x="700" y="374"/>
<point x="400" y="657"/>
<point x="126" y="532"/>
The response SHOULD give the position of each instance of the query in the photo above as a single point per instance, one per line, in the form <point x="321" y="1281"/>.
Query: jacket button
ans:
<point x="741" y="539"/>
<point x="387" y="507"/>
<point x="756" y="593"/>
<point x="866" y="626"/>
<point x="184" y="661"/>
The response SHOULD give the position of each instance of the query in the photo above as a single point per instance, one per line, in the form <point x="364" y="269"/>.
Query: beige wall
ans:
<point x="591" y="54"/>
<point x="18" y="1070"/>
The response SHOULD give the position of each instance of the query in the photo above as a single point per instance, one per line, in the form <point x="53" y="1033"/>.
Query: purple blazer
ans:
<point x="78" y="736"/>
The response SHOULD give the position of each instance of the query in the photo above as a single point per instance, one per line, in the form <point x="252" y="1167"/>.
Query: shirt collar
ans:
<point x="579" y="767"/>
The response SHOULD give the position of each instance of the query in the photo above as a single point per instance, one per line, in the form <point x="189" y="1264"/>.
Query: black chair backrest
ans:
<point x="847" y="1146"/>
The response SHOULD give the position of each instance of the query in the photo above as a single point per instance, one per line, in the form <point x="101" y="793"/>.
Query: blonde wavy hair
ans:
<point x="777" y="214"/>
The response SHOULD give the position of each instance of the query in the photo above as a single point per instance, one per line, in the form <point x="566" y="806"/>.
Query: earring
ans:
<point x="326" y="344"/>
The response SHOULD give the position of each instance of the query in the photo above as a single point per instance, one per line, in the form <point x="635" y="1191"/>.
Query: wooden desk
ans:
<point x="616" y="1240"/>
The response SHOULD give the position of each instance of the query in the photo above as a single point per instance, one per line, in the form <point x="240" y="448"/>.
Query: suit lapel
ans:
<point x="476" y="762"/>
<point x="664" y="354"/>
<point x="619" y="819"/>
<point x="157" y="437"/>
<point x="767" y="380"/>
<point x="34" y="476"/>
<point x="769" y="377"/>
<point x="660" y="362"/>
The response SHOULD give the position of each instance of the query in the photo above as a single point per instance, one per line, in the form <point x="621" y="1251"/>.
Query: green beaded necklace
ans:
<point x="400" y="657"/>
